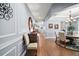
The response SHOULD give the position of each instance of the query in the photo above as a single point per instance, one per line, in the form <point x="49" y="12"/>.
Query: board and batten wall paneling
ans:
<point x="11" y="31"/>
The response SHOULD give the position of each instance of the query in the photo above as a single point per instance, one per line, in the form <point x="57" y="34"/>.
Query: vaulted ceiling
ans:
<point x="39" y="10"/>
<point x="42" y="10"/>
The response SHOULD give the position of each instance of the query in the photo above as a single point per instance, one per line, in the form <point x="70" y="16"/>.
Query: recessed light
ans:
<point x="74" y="20"/>
<point x="39" y="17"/>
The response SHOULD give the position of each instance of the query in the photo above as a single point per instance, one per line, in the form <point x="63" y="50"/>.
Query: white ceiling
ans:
<point x="74" y="11"/>
<point x="39" y="10"/>
<point x="58" y="8"/>
<point x="42" y="10"/>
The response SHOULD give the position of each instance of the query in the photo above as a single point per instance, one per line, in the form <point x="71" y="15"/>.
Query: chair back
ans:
<point x="26" y="38"/>
<point x="33" y="37"/>
<point x="56" y="36"/>
<point x="62" y="36"/>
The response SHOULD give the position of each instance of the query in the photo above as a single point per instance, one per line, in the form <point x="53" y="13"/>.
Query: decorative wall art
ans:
<point x="5" y="11"/>
<point x="56" y="26"/>
<point x="50" y="26"/>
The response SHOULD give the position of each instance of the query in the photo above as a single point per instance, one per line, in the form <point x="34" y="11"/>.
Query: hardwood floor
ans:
<point x="47" y="47"/>
<point x="41" y="51"/>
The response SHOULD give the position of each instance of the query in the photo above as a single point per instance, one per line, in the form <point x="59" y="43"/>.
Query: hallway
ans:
<point x="16" y="19"/>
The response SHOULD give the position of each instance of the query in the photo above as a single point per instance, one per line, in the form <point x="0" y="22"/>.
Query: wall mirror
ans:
<point x="30" y="23"/>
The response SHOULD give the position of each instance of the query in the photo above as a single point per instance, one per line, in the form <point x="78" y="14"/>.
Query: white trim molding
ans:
<point x="24" y="53"/>
<point x="14" y="48"/>
<point x="7" y="35"/>
<point x="2" y="46"/>
<point x="10" y="34"/>
<point x="19" y="44"/>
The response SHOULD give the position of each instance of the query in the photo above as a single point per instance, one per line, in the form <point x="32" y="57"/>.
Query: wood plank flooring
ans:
<point x="47" y="47"/>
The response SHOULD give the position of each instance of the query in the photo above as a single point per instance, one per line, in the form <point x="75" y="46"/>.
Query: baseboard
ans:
<point x="50" y="37"/>
<point x="24" y="53"/>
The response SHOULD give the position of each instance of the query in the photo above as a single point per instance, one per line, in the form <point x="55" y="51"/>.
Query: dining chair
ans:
<point x="56" y="37"/>
<point x="77" y="42"/>
<point x="62" y="38"/>
<point x="30" y="47"/>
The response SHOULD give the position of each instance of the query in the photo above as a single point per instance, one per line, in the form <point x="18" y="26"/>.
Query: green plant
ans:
<point x="71" y="28"/>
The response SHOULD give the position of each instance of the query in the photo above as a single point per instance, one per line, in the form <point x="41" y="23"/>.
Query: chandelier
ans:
<point x="70" y="18"/>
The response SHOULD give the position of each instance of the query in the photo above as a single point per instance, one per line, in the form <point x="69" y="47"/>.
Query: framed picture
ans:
<point x="56" y="26"/>
<point x="50" y="26"/>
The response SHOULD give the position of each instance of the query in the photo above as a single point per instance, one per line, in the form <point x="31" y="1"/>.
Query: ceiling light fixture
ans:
<point x="70" y="18"/>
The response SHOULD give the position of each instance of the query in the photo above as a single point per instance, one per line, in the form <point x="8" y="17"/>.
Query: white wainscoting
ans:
<point x="24" y="53"/>
<point x="5" y="45"/>
<point x="10" y="34"/>
<point x="2" y="46"/>
<point x="10" y="51"/>
<point x="21" y="49"/>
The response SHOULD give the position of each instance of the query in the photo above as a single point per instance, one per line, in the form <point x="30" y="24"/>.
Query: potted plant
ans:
<point x="71" y="29"/>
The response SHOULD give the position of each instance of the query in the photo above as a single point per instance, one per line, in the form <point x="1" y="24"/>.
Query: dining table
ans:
<point x="73" y="38"/>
